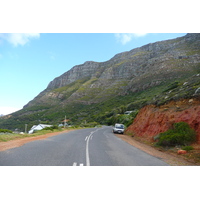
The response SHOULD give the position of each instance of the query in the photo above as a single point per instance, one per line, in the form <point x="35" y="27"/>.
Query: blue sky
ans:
<point x="28" y="62"/>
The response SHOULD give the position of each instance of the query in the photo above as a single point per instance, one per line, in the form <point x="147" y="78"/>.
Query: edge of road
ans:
<point x="172" y="160"/>
<point x="19" y="142"/>
<point x="168" y="158"/>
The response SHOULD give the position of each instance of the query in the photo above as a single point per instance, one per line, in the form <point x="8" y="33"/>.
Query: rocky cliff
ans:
<point x="136" y="70"/>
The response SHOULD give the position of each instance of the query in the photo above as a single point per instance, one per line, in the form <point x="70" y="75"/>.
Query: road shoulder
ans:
<point x="166" y="157"/>
<point x="19" y="142"/>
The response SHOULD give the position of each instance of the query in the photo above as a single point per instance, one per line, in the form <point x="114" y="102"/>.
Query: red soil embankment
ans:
<point x="152" y="120"/>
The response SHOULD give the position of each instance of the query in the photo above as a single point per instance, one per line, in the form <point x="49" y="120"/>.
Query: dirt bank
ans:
<point x="152" y="120"/>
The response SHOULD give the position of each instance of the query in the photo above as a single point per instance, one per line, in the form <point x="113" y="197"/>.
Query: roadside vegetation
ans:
<point x="8" y="135"/>
<point x="109" y="111"/>
<point x="179" y="135"/>
<point x="13" y="136"/>
<point x="5" y="131"/>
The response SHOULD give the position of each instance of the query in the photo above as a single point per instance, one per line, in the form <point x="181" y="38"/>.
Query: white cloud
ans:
<point x="127" y="37"/>
<point x="8" y="110"/>
<point x="140" y="34"/>
<point x="18" y="38"/>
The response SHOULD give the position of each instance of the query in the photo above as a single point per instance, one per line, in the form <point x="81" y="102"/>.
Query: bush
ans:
<point x="180" y="134"/>
<point x="89" y="124"/>
<point x="51" y="128"/>
<point x="188" y="148"/>
<point x="5" y="131"/>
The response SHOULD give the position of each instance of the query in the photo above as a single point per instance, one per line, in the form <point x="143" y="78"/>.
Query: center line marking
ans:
<point x="87" y="151"/>
<point x="87" y="147"/>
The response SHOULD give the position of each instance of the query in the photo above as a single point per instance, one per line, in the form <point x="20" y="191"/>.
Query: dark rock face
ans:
<point x="77" y="72"/>
<point x="126" y="72"/>
<point x="130" y="64"/>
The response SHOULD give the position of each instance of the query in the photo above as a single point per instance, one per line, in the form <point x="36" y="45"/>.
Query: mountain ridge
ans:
<point x="93" y="91"/>
<point x="127" y="67"/>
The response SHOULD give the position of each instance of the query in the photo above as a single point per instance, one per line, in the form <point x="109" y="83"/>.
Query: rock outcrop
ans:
<point x="152" y="120"/>
<point x="87" y="69"/>
<point x="131" y="71"/>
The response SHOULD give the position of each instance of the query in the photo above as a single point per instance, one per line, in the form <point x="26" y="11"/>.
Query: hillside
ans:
<point x="152" y="120"/>
<point x="97" y="91"/>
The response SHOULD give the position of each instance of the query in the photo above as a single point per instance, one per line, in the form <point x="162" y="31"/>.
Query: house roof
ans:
<point x="41" y="125"/>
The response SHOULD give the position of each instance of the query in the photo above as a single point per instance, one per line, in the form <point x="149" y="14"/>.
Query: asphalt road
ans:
<point x="85" y="147"/>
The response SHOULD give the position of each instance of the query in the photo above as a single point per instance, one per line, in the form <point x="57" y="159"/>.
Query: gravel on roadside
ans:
<point x="173" y="160"/>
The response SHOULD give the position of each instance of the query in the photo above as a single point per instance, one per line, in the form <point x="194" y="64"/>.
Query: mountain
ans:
<point x="96" y="91"/>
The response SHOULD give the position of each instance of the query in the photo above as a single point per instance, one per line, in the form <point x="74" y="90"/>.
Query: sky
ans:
<point x="29" y="61"/>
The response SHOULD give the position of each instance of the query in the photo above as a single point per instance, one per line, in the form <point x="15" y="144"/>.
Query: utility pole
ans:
<point x="65" y="122"/>
<point x="25" y="128"/>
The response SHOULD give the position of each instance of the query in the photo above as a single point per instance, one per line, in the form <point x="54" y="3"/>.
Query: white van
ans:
<point x="118" y="128"/>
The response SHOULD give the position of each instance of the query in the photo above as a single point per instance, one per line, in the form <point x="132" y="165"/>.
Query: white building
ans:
<point x="38" y="127"/>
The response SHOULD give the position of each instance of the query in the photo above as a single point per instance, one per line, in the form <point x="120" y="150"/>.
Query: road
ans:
<point x="85" y="147"/>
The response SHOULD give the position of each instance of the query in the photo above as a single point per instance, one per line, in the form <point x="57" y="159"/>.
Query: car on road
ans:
<point x="118" y="128"/>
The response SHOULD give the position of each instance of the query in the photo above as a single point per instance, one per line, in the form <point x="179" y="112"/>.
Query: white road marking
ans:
<point x="87" y="139"/>
<point x="87" y="151"/>
<point x="87" y="148"/>
<point x="74" y="164"/>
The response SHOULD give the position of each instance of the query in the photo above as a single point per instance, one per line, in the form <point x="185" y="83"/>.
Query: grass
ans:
<point x="14" y="136"/>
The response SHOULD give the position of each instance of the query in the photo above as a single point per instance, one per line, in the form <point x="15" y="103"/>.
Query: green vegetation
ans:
<point x="107" y="110"/>
<point x="172" y="86"/>
<point x="72" y="87"/>
<point x="14" y="136"/>
<point x="140" y="53"/>
<point x="122" y="118"/>
<point x="89" y="124"/>
<point x="5" y="131"/>
<point x="180" y="134"/>
<point x="52" y="128"/>
<point x="156" y="77"/>
<point x="188" y="148"/>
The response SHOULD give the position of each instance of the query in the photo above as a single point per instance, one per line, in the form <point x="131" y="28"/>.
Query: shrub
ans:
<point x="89" y="124"/>
<point x="5" y="131"/>
<point x="188" y="148"/>
<point x="51" y="128"/>
<point x="180" y="134"/>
